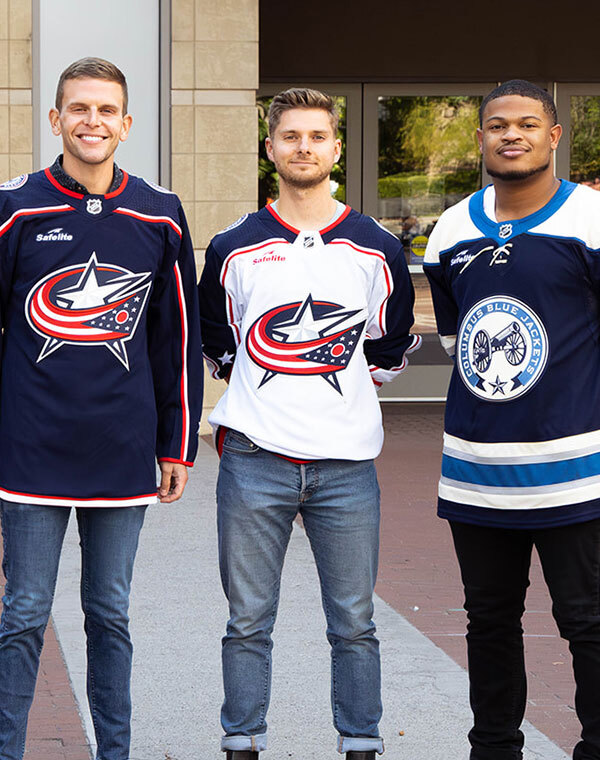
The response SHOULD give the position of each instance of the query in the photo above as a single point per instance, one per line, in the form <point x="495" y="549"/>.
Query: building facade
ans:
<point x="408" y="78"/>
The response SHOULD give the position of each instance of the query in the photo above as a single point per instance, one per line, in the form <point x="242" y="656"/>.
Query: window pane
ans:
<point x="428" y="160"/>
<point x="268" y="190"/>
<point x="585" y="140"/>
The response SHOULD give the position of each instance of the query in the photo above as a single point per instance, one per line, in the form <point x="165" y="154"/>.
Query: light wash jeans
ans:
<point x="33" y="537"/>
<point x="259" y="495"/>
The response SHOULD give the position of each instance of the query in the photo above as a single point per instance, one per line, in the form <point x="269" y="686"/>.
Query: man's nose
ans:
<point x="93" y="117"/>
<point x="304" y="145"/>
<point x="511" y="133"/>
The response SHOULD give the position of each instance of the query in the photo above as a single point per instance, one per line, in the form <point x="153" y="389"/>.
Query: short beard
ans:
<point x="302" y="183"/>
<point x="516" y="175"/>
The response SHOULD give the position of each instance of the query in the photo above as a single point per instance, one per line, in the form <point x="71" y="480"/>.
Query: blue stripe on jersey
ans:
<point x="521" y="475"/>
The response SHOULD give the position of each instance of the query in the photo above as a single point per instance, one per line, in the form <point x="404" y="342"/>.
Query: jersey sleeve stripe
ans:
<point x="239" y="251"/>
<point x="32" y="212"/>
<point x="386" y="272"/>
<point x="185" y="425"/>
<point x="148" y="218"/>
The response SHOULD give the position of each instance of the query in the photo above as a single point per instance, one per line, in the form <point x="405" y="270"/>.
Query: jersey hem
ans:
<point x="73" y="501"/>
<point x="530" y="519"/>
<point x="177" y="461"/>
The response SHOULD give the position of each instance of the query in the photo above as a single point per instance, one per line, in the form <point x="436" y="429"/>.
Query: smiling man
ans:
<point x="100" y="339"/>
<point x="515" y="276"/>
<point x="311" y="303"/>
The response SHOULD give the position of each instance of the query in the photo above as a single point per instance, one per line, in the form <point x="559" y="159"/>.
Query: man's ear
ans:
<point x="53" y="117"/>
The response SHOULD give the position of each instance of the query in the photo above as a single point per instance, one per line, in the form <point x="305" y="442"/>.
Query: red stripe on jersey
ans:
<point x="183" y="386"/>
<point x="289" y="227"/>
<point x="121" y="187"/>
<point x="386" y="272"/>
<point x="148" y="218"/>
<point x="58" y="186"/>
<point x="225" y="267"/>
<point x="42" y="499"/>
<point x="251" y="249"/>
<point x="32" y="212"/>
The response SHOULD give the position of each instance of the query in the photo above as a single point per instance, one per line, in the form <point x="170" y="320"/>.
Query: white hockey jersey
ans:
<point x="309" y="321"/>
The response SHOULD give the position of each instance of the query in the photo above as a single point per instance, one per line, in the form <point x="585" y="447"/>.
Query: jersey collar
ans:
<point x="501" y="232"/>
<point x="296" y="232"/>
<point x="69" y="186"/>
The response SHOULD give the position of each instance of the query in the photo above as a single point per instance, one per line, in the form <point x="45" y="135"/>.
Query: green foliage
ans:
<point x="407" y="185"/>
<point x="427" y="135"/>
<point x="585" y="138"/>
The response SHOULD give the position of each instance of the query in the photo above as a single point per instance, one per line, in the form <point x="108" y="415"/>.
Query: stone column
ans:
<point x="213" y="121"/>
<point x="16" y="151"/>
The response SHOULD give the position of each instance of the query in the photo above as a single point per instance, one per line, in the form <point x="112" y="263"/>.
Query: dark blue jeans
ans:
<point x="33" y="537"/>
<point x="494" y="565"/>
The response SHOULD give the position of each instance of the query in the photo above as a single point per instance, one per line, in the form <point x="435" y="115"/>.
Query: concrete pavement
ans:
<point x="178" y="616"/>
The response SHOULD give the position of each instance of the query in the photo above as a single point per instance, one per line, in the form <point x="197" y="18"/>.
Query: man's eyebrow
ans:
<point x="504" y="118"/>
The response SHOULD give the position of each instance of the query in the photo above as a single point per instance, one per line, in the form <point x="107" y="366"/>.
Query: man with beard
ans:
<point x="515" y="275"/>
<point x="306" y="307"/>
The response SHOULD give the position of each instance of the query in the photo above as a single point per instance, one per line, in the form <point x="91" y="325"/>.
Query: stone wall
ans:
<point x="213" y="120"/>
<point x="16" y="149"/>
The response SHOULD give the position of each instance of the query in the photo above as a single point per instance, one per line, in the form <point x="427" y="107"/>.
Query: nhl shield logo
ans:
<point x="502" y="349"/>
<point x="94" y="206"/>
<point x="505" y="231"/>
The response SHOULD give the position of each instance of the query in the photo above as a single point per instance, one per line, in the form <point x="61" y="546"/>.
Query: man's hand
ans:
<point x="173" y="479"/>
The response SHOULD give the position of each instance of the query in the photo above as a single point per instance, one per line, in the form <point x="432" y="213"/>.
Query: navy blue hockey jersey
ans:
<point x="101" y="357"/>
<point x="517" y="303"/>
<point x="309" y="320"/>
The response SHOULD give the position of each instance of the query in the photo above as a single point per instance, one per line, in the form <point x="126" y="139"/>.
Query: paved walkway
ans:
<point x="178" y="614"/>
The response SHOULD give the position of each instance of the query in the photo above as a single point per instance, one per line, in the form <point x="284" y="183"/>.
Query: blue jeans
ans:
<point x="258" y="496"/>
<point x="33" y="537"/>
<point x="494" y="564"/>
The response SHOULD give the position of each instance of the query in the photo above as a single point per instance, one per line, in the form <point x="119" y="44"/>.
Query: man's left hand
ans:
<point x="173" y="479"/>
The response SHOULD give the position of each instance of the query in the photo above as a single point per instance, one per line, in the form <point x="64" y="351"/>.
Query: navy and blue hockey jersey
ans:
<point x="309" y="321"/>
<point x="517" y="303"/>
<point x="101" y="357"/>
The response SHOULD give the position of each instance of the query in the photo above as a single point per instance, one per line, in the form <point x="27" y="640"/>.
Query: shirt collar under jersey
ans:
<point x="339" y="210"/>
<point x="61" y="176"/>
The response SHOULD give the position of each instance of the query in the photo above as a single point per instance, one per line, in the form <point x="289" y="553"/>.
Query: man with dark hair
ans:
<point x="515" y="276"/>
<point x="311" y="303"/>
<point x="100" y="337"/>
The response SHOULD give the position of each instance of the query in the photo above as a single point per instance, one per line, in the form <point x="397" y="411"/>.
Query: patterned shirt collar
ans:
<point x="60" y="175"/>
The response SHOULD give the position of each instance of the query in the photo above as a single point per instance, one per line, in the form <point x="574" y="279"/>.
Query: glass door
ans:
<point x="420" y="156"/>
<point x="578" y="154"/>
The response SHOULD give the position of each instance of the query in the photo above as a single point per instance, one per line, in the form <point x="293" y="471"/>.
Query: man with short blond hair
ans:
<point x="100" y="339"/>
<point x="306" y="307"/>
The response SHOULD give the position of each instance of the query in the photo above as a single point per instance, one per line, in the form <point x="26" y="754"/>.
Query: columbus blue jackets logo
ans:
<point x="88" y="305"/>
<point x="502" y="349"/>
<point x="305" y="338"/>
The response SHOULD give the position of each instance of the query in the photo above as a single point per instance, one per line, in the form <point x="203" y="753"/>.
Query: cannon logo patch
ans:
<point x="502" y="349"/>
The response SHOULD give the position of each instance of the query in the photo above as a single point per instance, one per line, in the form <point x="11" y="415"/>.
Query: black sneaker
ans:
<point x="244" y="754"/>
<point x="354" y="755"/>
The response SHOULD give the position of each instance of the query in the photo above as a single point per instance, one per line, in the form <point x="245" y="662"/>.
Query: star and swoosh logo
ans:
<point x="88" y="304"/>
<point x="305" y="338"/>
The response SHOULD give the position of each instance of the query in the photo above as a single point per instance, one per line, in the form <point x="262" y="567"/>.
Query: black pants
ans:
<point x="494" y="564"/>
